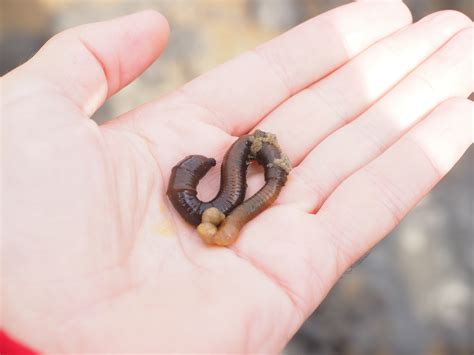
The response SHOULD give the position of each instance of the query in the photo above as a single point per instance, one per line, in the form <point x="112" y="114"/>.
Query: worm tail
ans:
<point x="277" y="167"/>
<point x="230" y="228"/>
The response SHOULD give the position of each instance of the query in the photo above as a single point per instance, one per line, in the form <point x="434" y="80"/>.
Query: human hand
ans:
<point x="95" y="259"/>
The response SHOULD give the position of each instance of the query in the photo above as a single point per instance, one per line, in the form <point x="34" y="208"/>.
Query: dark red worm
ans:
<point x="186" y="174"/>
<point x="228" y="206"/>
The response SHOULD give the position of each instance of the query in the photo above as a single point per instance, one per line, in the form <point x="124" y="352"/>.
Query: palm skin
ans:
<point x="129" y="248"/>
<point x="95" y="256"/>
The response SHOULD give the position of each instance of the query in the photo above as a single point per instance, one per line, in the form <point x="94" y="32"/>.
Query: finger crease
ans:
<point x="388" y="196"/>
<point x="431" y="162"/>
<point x="315" y="90"/>
<point x="272" y="66"/>
<point x="316" y="192"/>
<point x="215" y="119"/>
<point x="97" y="59"/>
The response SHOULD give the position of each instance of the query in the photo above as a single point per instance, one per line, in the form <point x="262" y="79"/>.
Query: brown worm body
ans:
<point x="185" y="176"/>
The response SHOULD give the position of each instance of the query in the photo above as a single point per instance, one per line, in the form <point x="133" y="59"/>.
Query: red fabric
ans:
<point x="9" y="346"/>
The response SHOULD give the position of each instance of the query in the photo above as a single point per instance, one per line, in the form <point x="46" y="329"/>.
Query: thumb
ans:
<point x="89" y="63"/>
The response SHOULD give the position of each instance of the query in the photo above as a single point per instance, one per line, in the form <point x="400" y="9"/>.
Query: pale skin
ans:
<point x="95" y="259"/>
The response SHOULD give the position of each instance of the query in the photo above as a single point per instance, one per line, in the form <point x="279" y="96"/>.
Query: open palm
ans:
<point x="368" y="107"/>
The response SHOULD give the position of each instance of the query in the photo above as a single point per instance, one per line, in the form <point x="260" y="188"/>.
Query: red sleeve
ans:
<point x="9" y="346"/>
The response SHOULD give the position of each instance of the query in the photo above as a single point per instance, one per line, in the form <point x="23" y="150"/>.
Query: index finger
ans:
<point x="239" y="93"/>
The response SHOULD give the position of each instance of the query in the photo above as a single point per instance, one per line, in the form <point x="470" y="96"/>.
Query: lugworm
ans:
<point x="220" y="220"/>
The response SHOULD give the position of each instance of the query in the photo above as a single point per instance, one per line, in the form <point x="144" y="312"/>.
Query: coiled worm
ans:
<point x="220" y="220"/>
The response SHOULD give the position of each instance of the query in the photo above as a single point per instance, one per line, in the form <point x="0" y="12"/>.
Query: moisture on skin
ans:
<point x="220" y="220"/>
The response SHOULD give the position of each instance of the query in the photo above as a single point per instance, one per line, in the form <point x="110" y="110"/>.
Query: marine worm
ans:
<point x="220" y="220"/>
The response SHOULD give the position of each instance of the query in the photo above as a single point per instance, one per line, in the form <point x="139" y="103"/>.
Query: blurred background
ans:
<point x="413" y="293"/>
